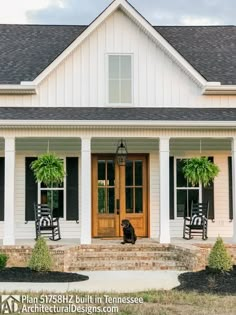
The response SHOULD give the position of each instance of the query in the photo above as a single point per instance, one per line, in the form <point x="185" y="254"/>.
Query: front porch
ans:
<point x="163" y="219"/>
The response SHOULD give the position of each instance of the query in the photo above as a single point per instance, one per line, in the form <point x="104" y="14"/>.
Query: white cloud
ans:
<point x="191" y="20"/>
<point x="15" y="11"/>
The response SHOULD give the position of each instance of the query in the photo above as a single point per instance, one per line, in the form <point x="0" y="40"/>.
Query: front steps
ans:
<point x="151" y="256"/>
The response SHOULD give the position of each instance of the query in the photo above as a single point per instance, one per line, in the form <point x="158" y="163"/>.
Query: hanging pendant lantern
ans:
<point x="121" y="152"/>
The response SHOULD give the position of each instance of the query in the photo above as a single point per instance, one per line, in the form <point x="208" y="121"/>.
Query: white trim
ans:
<point x="115" y="123"/>
<point x="146" y="26"/>
<point x="6" y="89"/>
<point x="217" y="89"/>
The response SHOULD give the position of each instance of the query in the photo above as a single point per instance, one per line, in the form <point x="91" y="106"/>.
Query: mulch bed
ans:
<point x="17" y="274"/>
<point x="205" y="281"/>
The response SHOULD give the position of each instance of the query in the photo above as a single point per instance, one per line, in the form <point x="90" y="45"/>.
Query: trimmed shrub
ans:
<point x="41" y="259"/>
<point x="219" y="260"/>
<point x="3" y="261"/>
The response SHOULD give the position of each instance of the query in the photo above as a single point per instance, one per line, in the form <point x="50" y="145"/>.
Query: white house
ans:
<point x="167" y="92"/>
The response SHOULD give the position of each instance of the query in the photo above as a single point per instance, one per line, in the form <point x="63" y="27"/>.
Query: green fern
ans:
<point x="200" y="170"/>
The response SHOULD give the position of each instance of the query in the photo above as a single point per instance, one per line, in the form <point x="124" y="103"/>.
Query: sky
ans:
<point x="157" y="12"/>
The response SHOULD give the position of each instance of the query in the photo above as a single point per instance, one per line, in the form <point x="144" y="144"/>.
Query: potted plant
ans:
<point x="200" y="170"/>
<point x="48" y="169"/>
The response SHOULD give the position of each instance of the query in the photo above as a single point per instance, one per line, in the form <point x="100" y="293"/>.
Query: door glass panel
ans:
<point x="101" y="200"/>
<point x="138" y="173"/>
<point x="129" y="200"/>
<point x="129" y="173"/>
<point x="111" y="200"/>
<point x="138" y="200"/>
<point x="101" y="173"/>
<point x="110" y="173"/>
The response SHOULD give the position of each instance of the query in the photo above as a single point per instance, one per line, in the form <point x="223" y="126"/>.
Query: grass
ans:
<point x="166" y="303"/>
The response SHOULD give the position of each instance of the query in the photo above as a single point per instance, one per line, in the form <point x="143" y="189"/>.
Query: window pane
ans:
<point x="101" y="173"/>
<point x="129" y="200"/>
<point x="129" y="173"/>
<point x="138" y="173"/>
<point x="193" y="196"/>
<point x="138" y="200"/>
<point x="114" y="91"/>
<point x="125" y="67"/>
<point x="111" y="200"/>
<point x="181" y="181"/>
<point x="114" y="67"/>
<point x="181" y="202"/>
<point x="110" y="173"/>
<point x="54" y="198"/>
<point x="101" y="200"/>
<point x="125" y="93"/>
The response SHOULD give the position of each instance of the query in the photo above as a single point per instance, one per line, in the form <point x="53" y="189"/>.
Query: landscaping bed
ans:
<point x="20" y="274"/>
<point x="205" y="281"/>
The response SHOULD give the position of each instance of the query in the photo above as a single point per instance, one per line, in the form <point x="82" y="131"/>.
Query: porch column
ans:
<point x="9" y="194"/>
<point x="164" y="190"/>
<point x="234" y="186"/>
<point x="85" y="175"/>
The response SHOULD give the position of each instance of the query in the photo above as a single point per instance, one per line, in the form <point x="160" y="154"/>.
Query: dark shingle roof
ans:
<point x="26" y="50"/>
<point x="211" y="50"/>
<point x="118" y="114"/>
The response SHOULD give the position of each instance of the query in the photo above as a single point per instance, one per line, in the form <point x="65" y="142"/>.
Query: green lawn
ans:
<point x="160" y="303"/>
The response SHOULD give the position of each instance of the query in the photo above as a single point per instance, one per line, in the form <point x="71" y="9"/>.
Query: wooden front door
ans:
<point x="119" y="192"/>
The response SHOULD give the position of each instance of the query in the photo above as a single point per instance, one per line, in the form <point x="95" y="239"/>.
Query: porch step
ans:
<point x="125" y="257"/>
<point x="128" y="265"/>
<point x="145" y="255"/>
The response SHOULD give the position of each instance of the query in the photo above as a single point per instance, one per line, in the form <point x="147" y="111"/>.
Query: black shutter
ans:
<point x="2" y="179"/>
<point x="72" y="189"/>
<point x="171" y="187"/>
<point x="208" y="195"/>
<point x="31" y="190"/>
<point x="230" y="188"/>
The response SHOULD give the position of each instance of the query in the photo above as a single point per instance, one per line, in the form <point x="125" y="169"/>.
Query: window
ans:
<point x="185" y="192"/>
<point x="55" y="194"/>
<point x="119" y="79"/>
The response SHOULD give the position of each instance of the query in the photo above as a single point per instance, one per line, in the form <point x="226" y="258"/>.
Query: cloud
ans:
<point x="158" y="12"/>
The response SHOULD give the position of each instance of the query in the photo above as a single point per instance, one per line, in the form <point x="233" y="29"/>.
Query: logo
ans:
<point x="9" y="304"/>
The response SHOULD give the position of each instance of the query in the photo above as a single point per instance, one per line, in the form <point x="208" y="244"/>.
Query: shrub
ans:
<point x="3" y="261"/>
<point x="219" y="260"/>
<point x="41" y="259"/>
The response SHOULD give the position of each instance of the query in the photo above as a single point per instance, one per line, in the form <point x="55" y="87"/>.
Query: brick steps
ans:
<point x="125" y="257"/>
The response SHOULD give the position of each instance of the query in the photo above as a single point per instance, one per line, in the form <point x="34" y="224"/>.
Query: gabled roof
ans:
<point x="29" y="52"/>
<point x="26" y="50"/>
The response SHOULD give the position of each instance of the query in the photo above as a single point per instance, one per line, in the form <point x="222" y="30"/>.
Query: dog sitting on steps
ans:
<point x="129" y="235"/>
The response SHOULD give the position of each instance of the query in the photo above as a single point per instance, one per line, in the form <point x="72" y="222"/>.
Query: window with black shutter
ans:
<point x="72" y="189"/>
<point x="31" y="190"/>
<point x="230" y="188"/>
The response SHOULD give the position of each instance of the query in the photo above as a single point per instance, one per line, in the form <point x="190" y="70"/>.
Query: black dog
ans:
<point x="129" y="232"/>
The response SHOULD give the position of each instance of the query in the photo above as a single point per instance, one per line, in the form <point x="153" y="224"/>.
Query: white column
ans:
<point x="85" y="173"/>
<point x="9" y="195"/>
<point x="234" y="186"/>
<point x="164" y="190"/>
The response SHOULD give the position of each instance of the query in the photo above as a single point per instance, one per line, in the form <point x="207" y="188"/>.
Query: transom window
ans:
<point x="185" y="192"/>
<point x="119" y="79"/>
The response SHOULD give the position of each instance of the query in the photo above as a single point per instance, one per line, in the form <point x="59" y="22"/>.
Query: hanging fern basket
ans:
<point x="48" y="169"/>
<point x="200" y="170"/>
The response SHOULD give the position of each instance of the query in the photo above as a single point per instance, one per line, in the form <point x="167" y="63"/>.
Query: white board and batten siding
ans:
<point x="81" y="78"/>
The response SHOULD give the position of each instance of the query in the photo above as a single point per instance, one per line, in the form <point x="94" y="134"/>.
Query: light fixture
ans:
<point x="121" y="152"/>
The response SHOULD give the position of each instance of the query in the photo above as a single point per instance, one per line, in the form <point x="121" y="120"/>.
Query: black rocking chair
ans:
<point x="45" y="224"/>
<point x="197" y="222"/>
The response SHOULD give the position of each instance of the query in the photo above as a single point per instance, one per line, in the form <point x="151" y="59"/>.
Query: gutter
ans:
<point x="17" y="89"/>
<point x="117" y="123"/>
<point x="215" y="88"/>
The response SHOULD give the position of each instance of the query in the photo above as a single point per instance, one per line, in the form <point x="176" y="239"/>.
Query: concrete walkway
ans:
<point x="105" y="281"/>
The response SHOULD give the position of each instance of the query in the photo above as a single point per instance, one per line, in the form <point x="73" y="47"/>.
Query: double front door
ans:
<point x="119" y="192"/>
